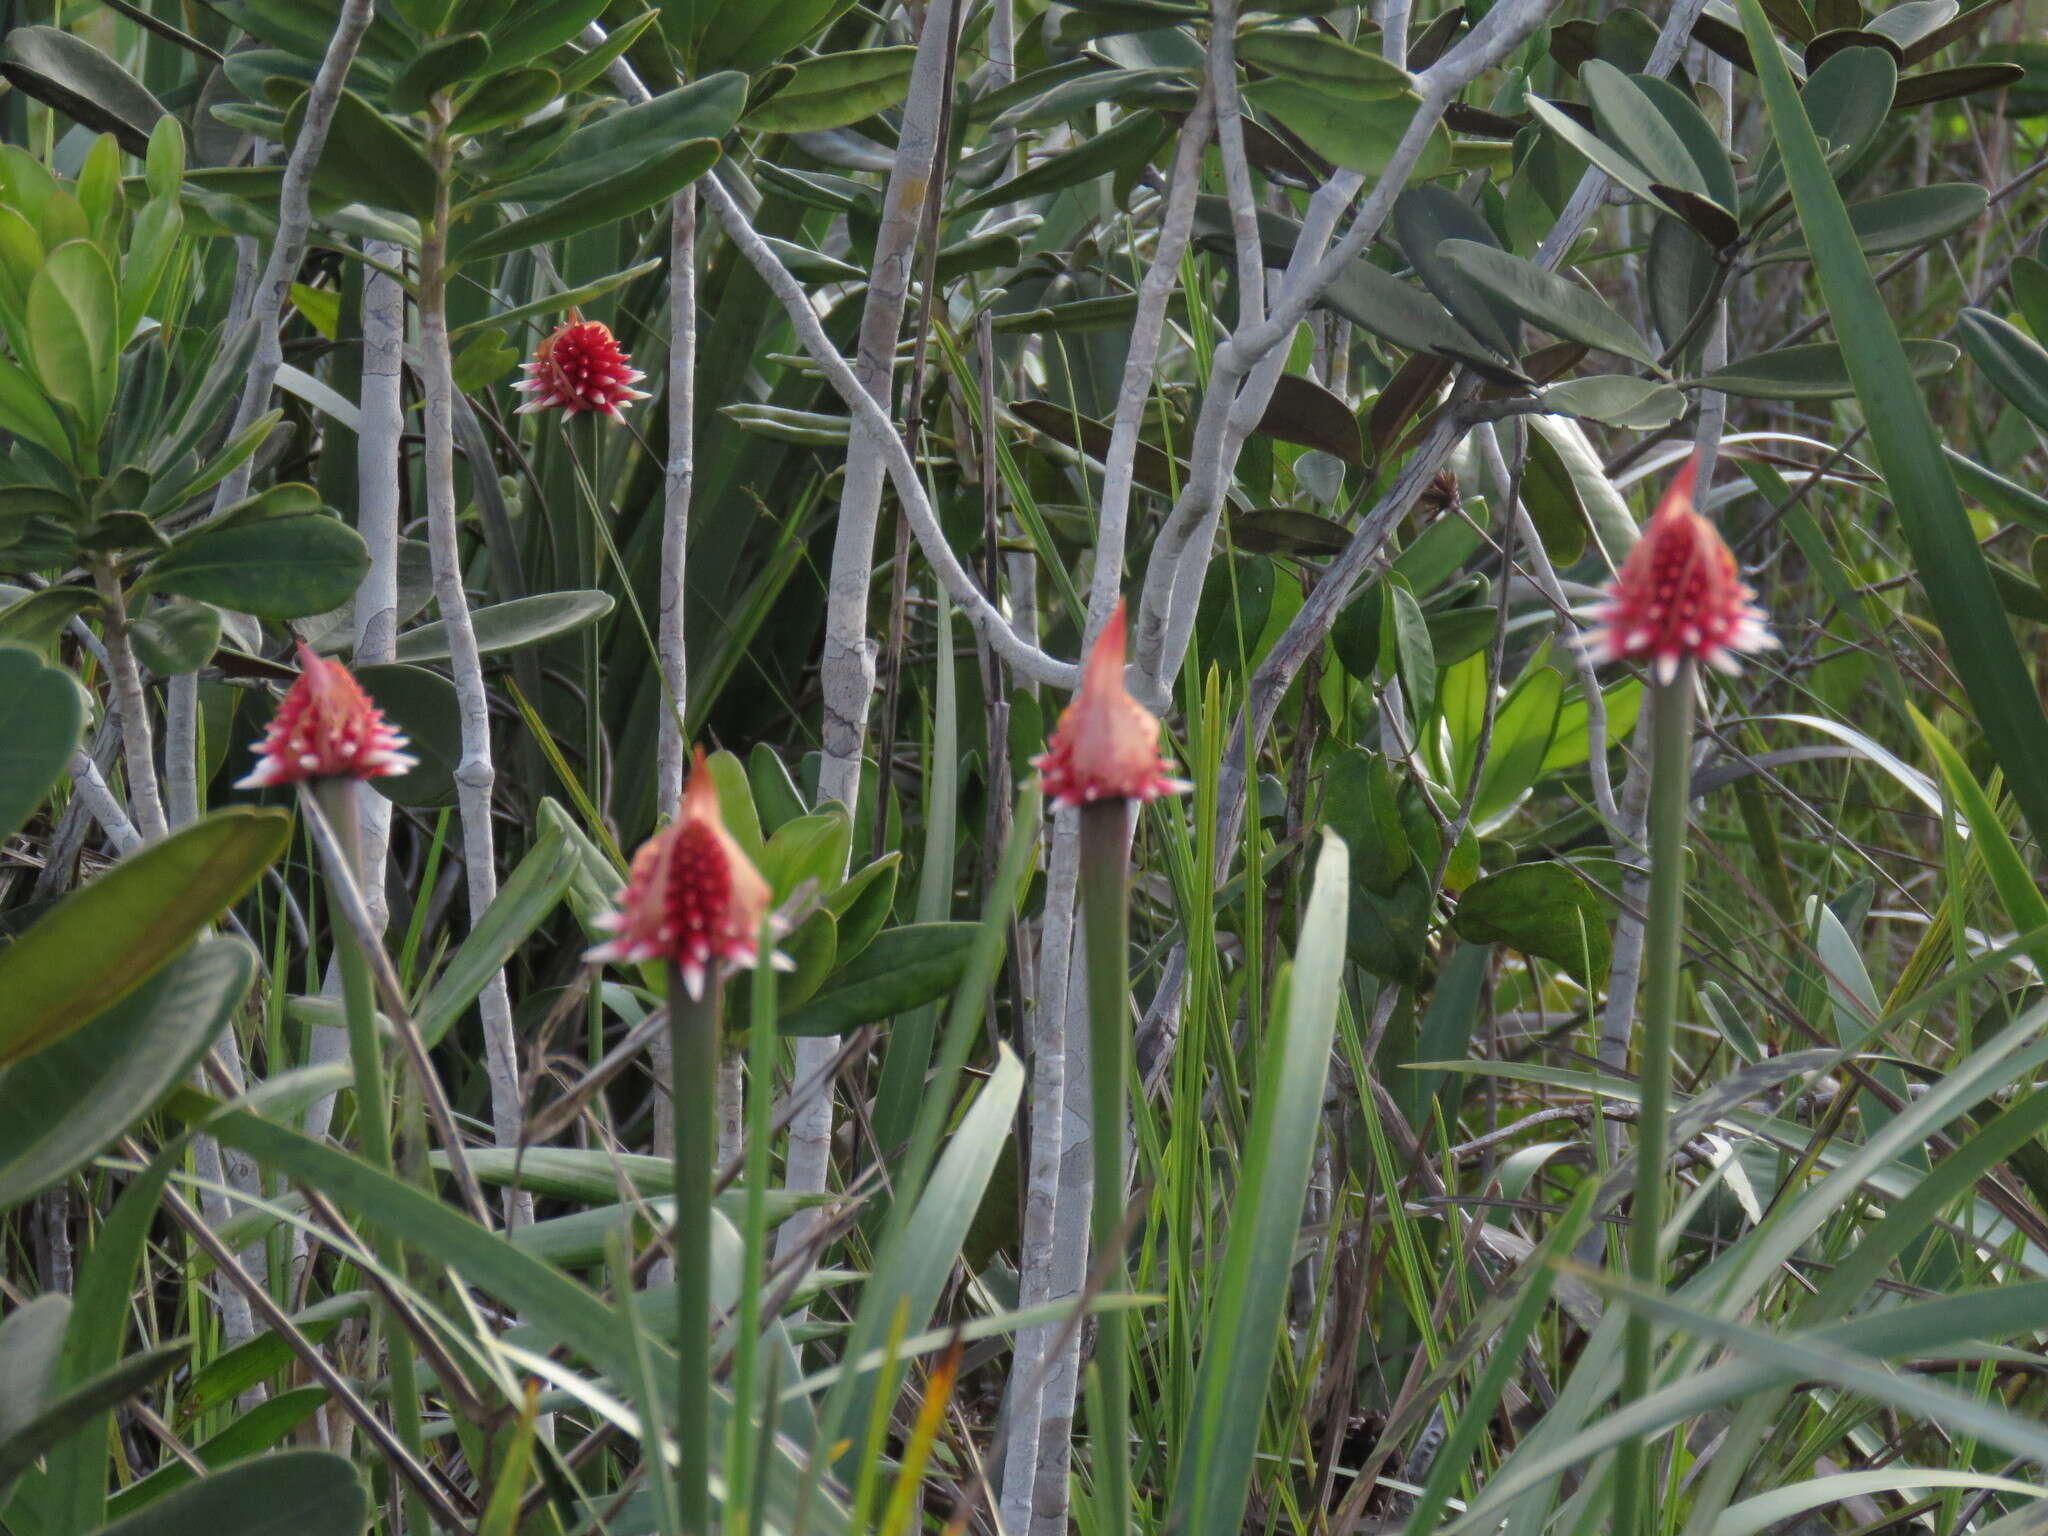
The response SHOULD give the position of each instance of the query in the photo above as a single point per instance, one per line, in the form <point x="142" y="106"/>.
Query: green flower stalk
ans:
<point x="1103" y="757"/>
<point x="1677" y="602"/>
<point x="695" y="904"/>
<point x="327" y="737"/>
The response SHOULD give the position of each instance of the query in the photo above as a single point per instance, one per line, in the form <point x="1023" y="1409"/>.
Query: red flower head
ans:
<point x="580" y="368"/>
<point x="1107" y="743"/>
<point x="693" y="899"/>
<point x="326" y="728"/>
<point x="1678" y="595"/>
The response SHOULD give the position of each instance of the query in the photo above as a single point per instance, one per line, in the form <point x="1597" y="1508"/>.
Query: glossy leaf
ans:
<point x="42" y="713"/>
<point x="1323" y="63"/>
<point x="1617" y="399"/>
<point x="1817" y="371"/>
<point x="902" y="969"/>
<point x="73" y="308"/>
<point x="1357" y="135"/>
<point x="293" y="1493"/>
<point x="273" y="567"/>
<point x="369" y="159"/>
<point x="105" y="940"/>
<point x="65" y="71"/>
<point x="510" y="626"/>
<point x="832" y="90"/>
<point x="1545" y="909"/>
<point x="1555" y="303"/>
<point x="607" y="202"/>
<point x="65" y="1104"/>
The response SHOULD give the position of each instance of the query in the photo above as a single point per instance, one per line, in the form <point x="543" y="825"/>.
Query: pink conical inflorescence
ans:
<point x="326" y="728"/>
<point x="580" y="368"/>
<point x="1678" y="595"/>
<point x="693" y="898"/>
<point x="1106" y="746"/>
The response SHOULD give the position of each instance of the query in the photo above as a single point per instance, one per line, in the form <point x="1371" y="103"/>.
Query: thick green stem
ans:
<point x="1670" y="788"/>
<point x="1105" y="916"/>
<point x="337" y="801"/>
<point x="693" y="1050"/>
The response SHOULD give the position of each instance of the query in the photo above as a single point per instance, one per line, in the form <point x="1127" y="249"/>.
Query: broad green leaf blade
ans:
<point x="65" y="71"/>
<point x="1323" y="63"/>
<point x="294" y="1493"/>
<point x="1901" y="220"/>
<point x="833" y="90"/>
<point x="1559" y="305"/>
<point x="902" y="969"/>
<point x="1222" y="1436"/>
<point x="73" y="308"/>
<point x="2014" y="362"/>
<point x="102" y="942"/>
<point x="1425" y="217"/>
<point x="41" y="714"/>
<point x="1358" y="135"/>
<point x="621" y="142"/>
<point x="1817" y="371"/>
<point x="1918" y="482"/>
<point x="273" y="567"/>
<point x="1545" y="909"/>
<point x="510" y="626"/>
<point x="606" y="202"/>
<point x="63" y="1105"/>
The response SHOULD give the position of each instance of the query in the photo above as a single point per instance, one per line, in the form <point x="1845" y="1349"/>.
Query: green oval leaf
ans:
<point x="510" y="626"/>
<point x="1560" y="306"/>
<point x="369" y="159"/>
<point x="835" y="89"/>
<point x="1618" y="399"/>
<point x="176" y="636"/>
<point x="1323" y="63"/>
<point x="902" y="969"/>
<point x="65" y="71"/>
<point x="100" y="943"/>
<point x="273" y="567"/>
<point x="41" y="714"/>
<point x="73" y="306"/>
<point x="61" y="1106"/>
<point x="607" y="202"/>
<point x="621" y="142"/>
<point x="1545" y="909"/>
<point x="1817" y="371"/>
<point x="291" y="1493"/>
<point x="1358" y="135"/>
<point x="442" y="63"/>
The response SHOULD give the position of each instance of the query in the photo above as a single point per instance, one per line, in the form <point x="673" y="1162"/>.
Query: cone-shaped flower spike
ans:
<point x="1106" y="746"/>
<point x="693" y="899"/>
<point x="580" y="368"/>
<point x="1678" y="595"/>
<point x="326" y="728"/>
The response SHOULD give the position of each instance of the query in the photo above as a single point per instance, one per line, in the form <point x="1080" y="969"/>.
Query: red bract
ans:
<point x="326" y="728"/>
<point x="693" y="899"/>
<point x="1107" y="743"/>
<point x="580" y="368"/>
<point x="1678" y="595"/>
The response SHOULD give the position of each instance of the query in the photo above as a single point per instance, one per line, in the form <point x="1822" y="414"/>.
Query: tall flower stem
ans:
<point x="1671" y="730"/>
<point x="337" y="802"/>
<point x="1105" y="917"/>
<point x="693" y="1048"/>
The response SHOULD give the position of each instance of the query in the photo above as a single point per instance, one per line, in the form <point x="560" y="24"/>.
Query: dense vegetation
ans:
<point x="1515" y="1087"/>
